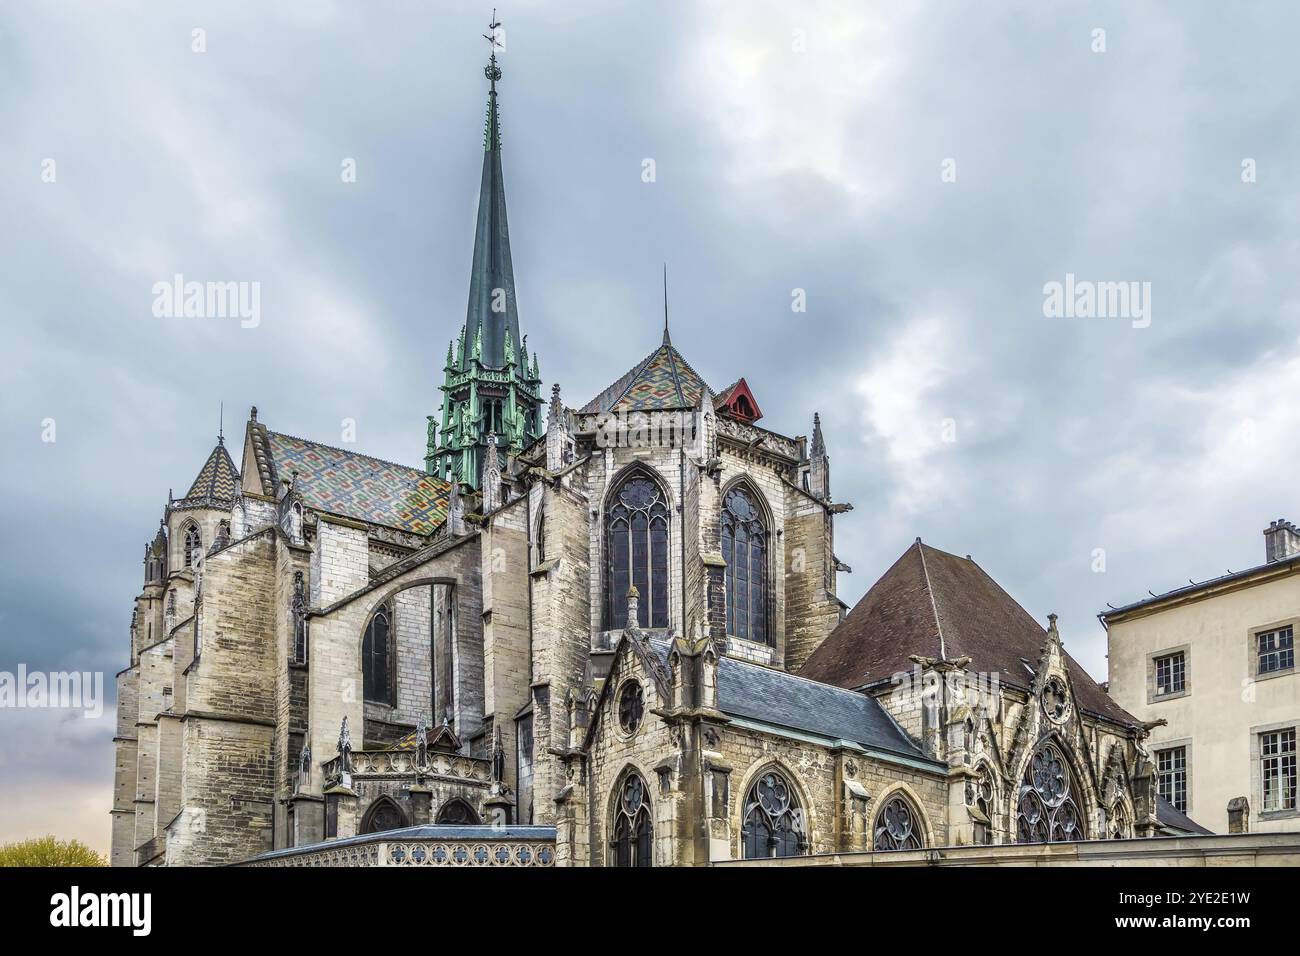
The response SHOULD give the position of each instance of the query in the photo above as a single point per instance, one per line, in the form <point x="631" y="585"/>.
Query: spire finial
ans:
<point x="221" y="424"/>
<point x="492" y="138"/>
<point x="667" y="340"/>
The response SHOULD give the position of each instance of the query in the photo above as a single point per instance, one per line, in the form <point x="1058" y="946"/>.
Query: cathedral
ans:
<point x="593" y="633"/>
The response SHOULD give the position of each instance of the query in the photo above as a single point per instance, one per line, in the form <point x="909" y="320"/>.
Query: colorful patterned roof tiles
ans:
<point x="357" y="486"/>
<point x="217" y="479"/>
<point x="662" y="380"/>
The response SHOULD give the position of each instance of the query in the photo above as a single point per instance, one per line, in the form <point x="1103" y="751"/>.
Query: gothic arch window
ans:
<point x="377" y="657"/>
<point x="898" y="826"/>
<point x="1047" y="811"/>
<point x="541" y="539"/>
<point x="636" y="552"/>
<point x="456" y="812"/>
<point x="384" y="814"/>
<point x="744" y="548"/>
<point x="774" y="822"/>
<point x="193" y="545"/>
<point x="632" y="823"/>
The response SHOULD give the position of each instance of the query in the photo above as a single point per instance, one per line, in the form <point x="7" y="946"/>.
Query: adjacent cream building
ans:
<point x="1215" y="662"/>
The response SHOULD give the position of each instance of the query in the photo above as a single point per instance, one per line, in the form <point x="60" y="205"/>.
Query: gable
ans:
<point x="738" y="402"/>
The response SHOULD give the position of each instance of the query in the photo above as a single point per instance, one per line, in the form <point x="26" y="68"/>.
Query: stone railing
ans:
<point x="741" y="433"/>
<point x="402" y="763"/>
<point x="476" y="846"/>
<point x="1246" y="849"/>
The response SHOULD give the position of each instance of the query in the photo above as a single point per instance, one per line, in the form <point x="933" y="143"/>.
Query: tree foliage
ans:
<point x="49" y="851"/>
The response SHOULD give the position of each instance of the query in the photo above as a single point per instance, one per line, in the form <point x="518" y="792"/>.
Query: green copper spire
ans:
<point x="489" y="388"/>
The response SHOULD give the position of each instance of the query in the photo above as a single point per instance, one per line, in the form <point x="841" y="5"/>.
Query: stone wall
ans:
<point x="561" y="632"/>
<point x="812" y="609"/>
<point x="507" y="664"/>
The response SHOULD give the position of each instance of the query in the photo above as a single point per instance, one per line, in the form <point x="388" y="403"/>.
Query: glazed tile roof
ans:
<point x="217" y="478"/>
<point x="661" y="380"/>
<point x="357" y="486"/>
<point x="935" y="604"/>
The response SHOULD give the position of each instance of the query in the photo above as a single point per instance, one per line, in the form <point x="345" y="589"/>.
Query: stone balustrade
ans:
<point x="470" y="846"/>
<point x="402" y="763"/>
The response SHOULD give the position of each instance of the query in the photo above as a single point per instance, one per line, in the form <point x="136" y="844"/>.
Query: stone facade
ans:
<point x="584" y="636"/>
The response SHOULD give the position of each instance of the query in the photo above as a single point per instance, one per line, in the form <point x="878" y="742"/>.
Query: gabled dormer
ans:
<point x="738" y="402"/>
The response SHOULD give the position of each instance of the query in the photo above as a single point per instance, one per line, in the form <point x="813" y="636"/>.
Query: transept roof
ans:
<point x="358" y="486"/>
<point x="935" y="604"/>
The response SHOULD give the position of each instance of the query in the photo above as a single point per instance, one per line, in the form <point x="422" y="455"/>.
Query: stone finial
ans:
<point x="252" y="414"/>
<point x="633" y="610"/>
<point x="498" y="760"/>
<point x="819" y="463"/>
<point x="558" y="440"/>
<point x="345" y="747"/>
<point x="422" y="742"/>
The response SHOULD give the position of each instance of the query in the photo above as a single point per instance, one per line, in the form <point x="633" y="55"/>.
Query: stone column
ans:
<point x="346" y="819"/>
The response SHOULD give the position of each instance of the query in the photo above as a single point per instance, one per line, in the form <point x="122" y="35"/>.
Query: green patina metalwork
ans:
<point x="490" y="385"/>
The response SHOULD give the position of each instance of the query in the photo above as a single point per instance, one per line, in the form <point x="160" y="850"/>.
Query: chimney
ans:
<point x="1281" y="541"/>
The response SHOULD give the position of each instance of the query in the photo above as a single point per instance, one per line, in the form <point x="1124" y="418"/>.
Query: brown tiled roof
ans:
<point x="935" y="604"/>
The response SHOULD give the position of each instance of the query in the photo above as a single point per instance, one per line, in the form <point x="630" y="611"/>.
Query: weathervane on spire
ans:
<point x="492" y="71"/>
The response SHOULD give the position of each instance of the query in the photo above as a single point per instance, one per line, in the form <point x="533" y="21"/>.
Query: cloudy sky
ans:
<point x="919" y="169"/>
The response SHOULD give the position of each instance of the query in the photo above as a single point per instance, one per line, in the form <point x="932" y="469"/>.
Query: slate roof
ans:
<point x="218" y="477"/>
<point x="1187" y="589"/>
<point x="492" y="274"/>
<point x="787" y="700"/>
<point x="661" y="380"/>
<point x="935" y="604"/>
<point x="1174" y="819"/>
<point x="357" y="486"/>
<point x="796" y="703"/>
